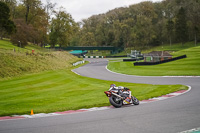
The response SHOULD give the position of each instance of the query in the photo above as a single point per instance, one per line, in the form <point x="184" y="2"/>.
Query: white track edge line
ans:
<point x="152" y="76"/>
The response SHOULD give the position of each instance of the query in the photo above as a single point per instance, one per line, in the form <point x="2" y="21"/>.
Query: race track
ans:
<point x="167" y="116"/>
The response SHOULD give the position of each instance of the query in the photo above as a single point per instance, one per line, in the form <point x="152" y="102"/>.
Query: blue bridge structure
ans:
<point x="112" y="49"/>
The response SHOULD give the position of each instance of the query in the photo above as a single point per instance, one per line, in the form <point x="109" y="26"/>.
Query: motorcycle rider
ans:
<point x="124" y="89"/>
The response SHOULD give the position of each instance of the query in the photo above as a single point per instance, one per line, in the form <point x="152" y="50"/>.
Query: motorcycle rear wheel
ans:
<point x="116" y="103"/>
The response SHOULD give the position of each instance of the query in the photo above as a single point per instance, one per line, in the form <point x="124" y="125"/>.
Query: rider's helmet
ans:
<point x="112" y="85"/>
<point x="121" y="87"/>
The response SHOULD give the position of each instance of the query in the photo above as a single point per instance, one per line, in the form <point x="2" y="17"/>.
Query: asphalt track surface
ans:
<point x="173" y="115"/>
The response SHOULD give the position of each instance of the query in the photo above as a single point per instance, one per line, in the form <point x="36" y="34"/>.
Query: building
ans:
<point x="135" y="54"/>
<point x="156" y="56"/>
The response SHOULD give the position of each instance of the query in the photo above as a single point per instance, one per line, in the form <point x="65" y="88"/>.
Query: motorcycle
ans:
<point x="117" y="97"/>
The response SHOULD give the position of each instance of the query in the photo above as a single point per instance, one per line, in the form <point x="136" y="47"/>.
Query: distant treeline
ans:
<point x="141" y="25"/>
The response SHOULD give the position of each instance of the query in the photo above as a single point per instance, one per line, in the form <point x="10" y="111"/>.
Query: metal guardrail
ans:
<point x="79" y="62"/>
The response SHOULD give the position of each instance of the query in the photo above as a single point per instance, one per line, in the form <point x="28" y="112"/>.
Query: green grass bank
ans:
<point x="184" y="67"/>
<point x="15" y="61"/>
<point x="63" y="90"/>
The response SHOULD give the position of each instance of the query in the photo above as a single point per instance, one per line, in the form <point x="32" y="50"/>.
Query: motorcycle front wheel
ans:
<point x="115" y="101"/>
<point x="135" y="100"/>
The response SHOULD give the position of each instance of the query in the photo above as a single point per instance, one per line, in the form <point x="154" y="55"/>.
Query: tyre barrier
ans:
<point x="159" y="62"/>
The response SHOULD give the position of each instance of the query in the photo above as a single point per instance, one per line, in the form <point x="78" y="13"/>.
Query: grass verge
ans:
<point x="184" y="67"/>
<point x="63" y="90"/>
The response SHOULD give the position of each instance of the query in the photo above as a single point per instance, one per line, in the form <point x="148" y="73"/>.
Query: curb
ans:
<point x="92" y="56"/>
<point x="167" y="96"/>
<point x="195" y="130"/>
<point x="164" y="97"/>
<point x="182" y="76"/>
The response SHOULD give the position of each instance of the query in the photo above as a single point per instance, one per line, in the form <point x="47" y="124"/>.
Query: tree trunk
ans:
<point x="1" y="34"/>
<point x="195" y="39"/>
<point x="27" y="12"/>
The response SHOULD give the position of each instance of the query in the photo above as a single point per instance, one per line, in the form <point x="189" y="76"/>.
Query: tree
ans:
<point x="12" y="6"/>
<point x="33" y="13"/>
<point x="53" y="37"/>
<point x="181" y="26"/>
<point x="170" y="28"/>
<point x="61" y="28"/>
<point x="6" y="25"/>
<point x="194" y="17"/>
<point x="32" y="9"/>
<point x="25" y="33"/>
<point x="49" y="8"/>
<point x="88" y="39"/>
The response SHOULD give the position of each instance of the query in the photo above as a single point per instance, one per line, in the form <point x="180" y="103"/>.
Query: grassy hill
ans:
<point x="45" y="83"/>
<point x="184" y="67"/>
<point x="15" y="61"/>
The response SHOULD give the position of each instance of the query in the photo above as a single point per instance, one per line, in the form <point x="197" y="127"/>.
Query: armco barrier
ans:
<point x="159" y="62"/>
<point x="116" y="56"/>
<point x="129" y="59"/>
<point x="79" y="62"/>
<point x="134" y="59"/>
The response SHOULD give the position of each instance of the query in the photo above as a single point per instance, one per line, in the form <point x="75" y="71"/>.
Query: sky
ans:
<point x="83" y="9"/>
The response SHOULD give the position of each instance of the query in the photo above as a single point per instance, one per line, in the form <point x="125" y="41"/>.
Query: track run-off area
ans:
<point x="173" y="115"/>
